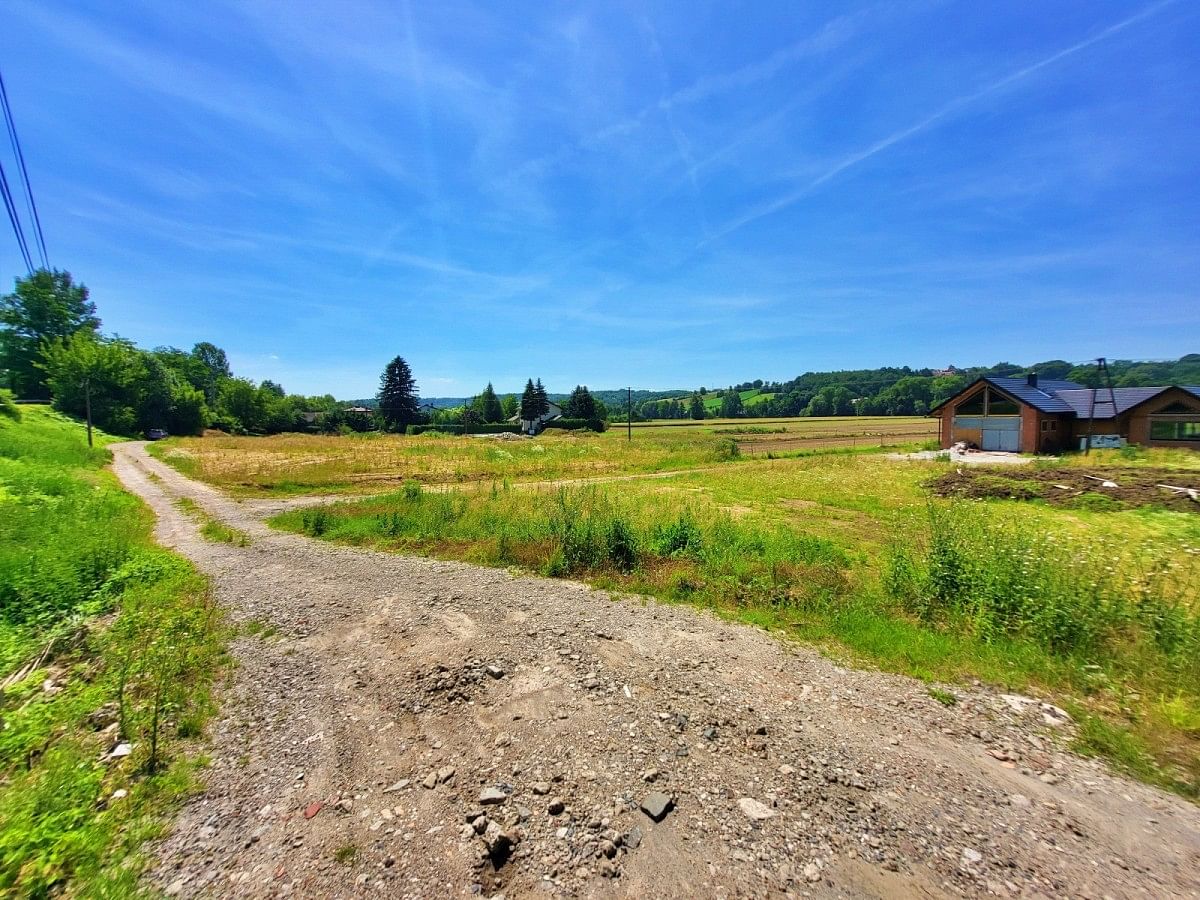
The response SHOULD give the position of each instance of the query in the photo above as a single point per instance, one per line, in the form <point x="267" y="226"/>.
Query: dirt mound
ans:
<point x="1098" y="489"/>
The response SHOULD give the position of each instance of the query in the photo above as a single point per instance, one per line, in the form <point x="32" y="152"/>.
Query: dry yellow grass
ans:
<point x="295" y="463"/>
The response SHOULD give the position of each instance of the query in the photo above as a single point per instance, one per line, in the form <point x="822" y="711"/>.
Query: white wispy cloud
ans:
<point x="941" y="114"/>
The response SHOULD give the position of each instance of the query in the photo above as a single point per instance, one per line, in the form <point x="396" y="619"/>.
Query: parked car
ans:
<point x="156" y="434"/>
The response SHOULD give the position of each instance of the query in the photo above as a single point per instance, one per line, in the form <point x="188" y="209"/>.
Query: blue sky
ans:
<point x="660" y="194"/>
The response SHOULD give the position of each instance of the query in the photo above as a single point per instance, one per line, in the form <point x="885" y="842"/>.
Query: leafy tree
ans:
<point x="1053" y="368"/>
<point x="510" y="405"/>
<point x="831" y="401"/>
<point x="188" y="413"/>
<point x="240" y="401"/>
<point x="529" y="402"/>
<point x="398" y="404"/>
<point x="944" y="387"/>
<point x="696" y="408"/>
<point x="43" y="307"/>
<point x="111" y="372"/>
<point x="731" y="405"/>
<point x="272" y="388"/>
<point x="907" y="397"/>
<point x="213" y="366"/>
<point x="490" y="409"/>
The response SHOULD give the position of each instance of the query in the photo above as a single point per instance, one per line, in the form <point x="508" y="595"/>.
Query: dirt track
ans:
<point x="789" y="775"/>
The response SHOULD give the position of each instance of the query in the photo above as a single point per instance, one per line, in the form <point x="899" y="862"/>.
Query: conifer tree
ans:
<point x="697" y="407"/>
<point x="529" y="402"/>
<point x="581" y="404"/>
<point x="398" y="404"/>
<point x="541" y="401"/>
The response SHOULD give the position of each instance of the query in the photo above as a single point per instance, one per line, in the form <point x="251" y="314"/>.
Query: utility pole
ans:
<point x="629" y="413"/>
<point x="1101" y="369"/>
<point x="87" y="404"/>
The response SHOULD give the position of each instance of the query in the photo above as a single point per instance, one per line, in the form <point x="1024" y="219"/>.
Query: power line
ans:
<point x="14" y="219"/>
<point x="20" y="155"/>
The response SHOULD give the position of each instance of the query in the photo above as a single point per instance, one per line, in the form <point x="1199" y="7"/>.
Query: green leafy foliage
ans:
<point x="73" y="546"/>
<point x="44" y="307"/>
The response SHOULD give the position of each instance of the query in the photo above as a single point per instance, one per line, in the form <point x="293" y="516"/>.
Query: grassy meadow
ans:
<point x="105" y="640"/>
<point x="293" y="464"/>
<point x="1097" y="606"/>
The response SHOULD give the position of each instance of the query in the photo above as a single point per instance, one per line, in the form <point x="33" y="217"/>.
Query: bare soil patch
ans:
<point x="1072" y="487"/>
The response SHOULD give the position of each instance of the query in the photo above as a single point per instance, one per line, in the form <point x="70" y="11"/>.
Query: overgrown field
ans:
<point x="369" y="463"/>
<point x="1098" y="605"/>
<point x="762" y="437"/>
<point x="298" y="464"/>
<point x="108" y="647"/>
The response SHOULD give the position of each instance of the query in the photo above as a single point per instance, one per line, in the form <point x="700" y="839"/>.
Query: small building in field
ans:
<point x="528" y="426"/>
<point x="1029" y="415"/>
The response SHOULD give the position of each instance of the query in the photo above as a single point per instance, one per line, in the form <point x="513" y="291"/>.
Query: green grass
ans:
<point x="107" y="638"/>
<point x="260" y="629"/>
<point x="213" y="529"/>
<point x="695" y="553"/>
<point x="750" y="399"/>
<point x="943" y="697"/>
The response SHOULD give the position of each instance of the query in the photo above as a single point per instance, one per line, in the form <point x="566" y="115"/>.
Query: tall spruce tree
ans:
<point x="529" y="402"/>
<point x="541" y="401"/>
<point x="696" y="410"/>
<point x="398" y="404"/>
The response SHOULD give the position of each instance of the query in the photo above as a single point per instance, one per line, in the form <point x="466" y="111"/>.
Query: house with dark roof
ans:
<point x="1032" y="415"/>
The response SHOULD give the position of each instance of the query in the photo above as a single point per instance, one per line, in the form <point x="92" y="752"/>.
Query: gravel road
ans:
<point x="416" y="728"/>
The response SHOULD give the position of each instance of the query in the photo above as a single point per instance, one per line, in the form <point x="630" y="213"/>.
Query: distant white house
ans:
<point x="534" y="426"/>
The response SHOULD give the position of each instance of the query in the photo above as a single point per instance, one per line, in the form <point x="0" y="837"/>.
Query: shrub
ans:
<point x="1000" y="578"/>
<point x="315" y="521"/>
<point x="679" y="538"/>
<point x="435" y="429"/>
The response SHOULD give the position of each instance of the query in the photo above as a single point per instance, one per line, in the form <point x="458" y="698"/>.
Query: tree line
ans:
<point x="52" y="350"/>
<point x="901" y="391"/>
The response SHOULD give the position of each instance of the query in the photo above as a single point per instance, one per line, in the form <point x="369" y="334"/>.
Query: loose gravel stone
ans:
<point x="656" y="805"/>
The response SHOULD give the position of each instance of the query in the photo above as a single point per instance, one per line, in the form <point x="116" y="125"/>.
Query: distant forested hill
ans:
<point x="886" y="391"/>
<point x="903" y="391"/>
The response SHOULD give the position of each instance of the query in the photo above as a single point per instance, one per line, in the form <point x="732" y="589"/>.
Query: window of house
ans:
<point x="1045" y="424"/>
<point x="1174" y="430"/>
<point x="973" y="406"/>
<point x="999" y="405"/>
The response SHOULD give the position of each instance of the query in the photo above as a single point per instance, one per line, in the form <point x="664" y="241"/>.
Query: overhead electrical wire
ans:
<point x="31" y="204"/>
<point x="14" y="218"/>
